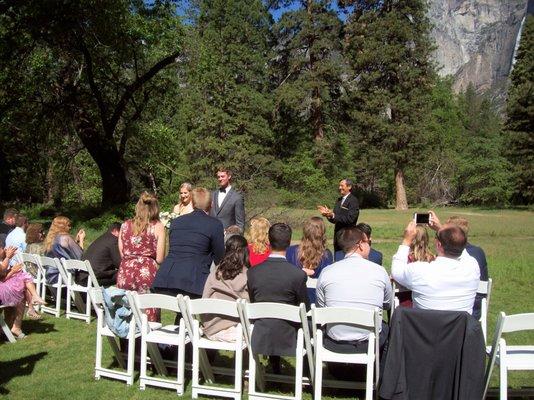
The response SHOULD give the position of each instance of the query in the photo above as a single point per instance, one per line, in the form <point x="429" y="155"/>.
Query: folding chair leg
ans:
<point x="205" y="366"/>
<point x="299" y="366"/>
<point x="116" y="352"/>
<point x="98" y="361"/>
<point x="58" y="300"/>
<point x="156" y="359"/>
<point x="131" y="358"/>
<point x="503" y="371"/>
<point x="369" y="382"/>
<point x="6" y="330"/>
<point x="195" y="373"/>
<point x="238" y="379"/>
<point x="142" y="367"/>
<point x="318" y="384"/>
<point x="181" y="361"/>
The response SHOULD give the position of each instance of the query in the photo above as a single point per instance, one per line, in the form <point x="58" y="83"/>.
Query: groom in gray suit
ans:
<point x="227" y="204"/>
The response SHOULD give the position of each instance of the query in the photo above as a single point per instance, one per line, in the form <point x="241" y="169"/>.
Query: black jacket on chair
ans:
<point x="195" y="241"/>
<point x="276" y="280"/>
<point x="438" y="355"/>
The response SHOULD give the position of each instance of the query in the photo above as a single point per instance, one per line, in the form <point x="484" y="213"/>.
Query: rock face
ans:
<point x="476" y="40"/>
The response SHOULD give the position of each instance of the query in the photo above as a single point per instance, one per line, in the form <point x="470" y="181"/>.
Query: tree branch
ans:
<point x="138" y="83"/>
<point x="94" y="88"/>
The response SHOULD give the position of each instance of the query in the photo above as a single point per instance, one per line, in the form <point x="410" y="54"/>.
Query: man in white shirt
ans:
<point x="353" y="282"/>
<point x="450" y="282"/>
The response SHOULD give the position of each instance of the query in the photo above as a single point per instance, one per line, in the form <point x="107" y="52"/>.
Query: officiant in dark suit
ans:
<point x="227" y="204"/>
<point x="345" y="212"/>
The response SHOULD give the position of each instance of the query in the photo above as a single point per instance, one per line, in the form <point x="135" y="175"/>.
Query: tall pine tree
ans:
<point x="389" y="49"/>
<point x="520" y="111"/>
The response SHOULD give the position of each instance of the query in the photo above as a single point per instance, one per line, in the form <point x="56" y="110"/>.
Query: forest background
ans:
<point x="102" y="99"/>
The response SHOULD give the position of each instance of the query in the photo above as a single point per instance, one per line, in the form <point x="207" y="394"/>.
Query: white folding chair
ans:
<point x="75" y="291"/>
<point x="368" y="320"/>
<point x="250" y="312"/>
<point x="152" y="335"/>
<point x="484" y="287"/>
<point x="102" y="330"/>
<point x="510" y="358"/>
<point x="192" y="311"/>
<point x="4" y="326"/>
<point x="44" y="263"/>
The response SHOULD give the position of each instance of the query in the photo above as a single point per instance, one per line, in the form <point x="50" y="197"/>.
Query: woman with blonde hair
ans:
<point x="258" y="237"/>
<point x="186" y="205"/>
<point x="60" y="244"/>
<point x="142" y="246"/>
<point x="419" y="249"/>
<point x="311" y="255"/>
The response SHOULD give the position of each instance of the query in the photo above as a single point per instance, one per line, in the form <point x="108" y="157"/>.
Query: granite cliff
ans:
<point x="476" y="40"/>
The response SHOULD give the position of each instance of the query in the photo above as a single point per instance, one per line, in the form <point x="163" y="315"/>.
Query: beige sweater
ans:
<point x="226" y="290"/>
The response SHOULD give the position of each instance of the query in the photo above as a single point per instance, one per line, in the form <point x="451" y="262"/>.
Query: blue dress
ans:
<point x="292" y="255"/>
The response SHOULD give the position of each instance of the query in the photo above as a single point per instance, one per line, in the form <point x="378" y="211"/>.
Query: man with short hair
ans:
<point x="450" y="282"/>
<point x="17" y="237"/>
<point x="345" y="212"/>
<point x="276" y="280"/>
<point x="195" y="241"/>
<point x="478" y="254"/>
<point x="104" y="256"/>
<point x="374" y="255"/>
<point x="353" y="282"/>
<point x="227" y="204"/>
<point x="8" y="224"/>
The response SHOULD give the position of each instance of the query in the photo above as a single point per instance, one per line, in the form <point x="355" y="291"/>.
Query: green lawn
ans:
<point x="56" y="360"/>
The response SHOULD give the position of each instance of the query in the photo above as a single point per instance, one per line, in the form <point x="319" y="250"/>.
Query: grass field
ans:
<point x="56" y="360"/>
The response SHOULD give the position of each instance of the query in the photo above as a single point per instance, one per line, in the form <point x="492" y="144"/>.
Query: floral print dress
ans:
<point x="138" y="265"/>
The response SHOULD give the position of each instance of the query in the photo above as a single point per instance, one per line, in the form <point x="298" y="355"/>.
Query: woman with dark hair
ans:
<point x="227" y="282"/>
<point x="311" y="255"/>
<point x="35" y="239"/>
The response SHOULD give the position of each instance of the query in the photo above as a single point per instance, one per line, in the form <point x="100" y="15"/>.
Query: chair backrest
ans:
<point x="518" y="322"/>
<point x="132" y="300"/>
<point x="360" y="318"/>
<point x="154" y="300"/>
<point x="212" y="306"/>
<point x="48" y="262"/>
<point x="28" y="258"/>
<point x="311" y="283"/>
<point x="79" y="265"/>
<point x="286" y="312"/>
<point x="484" y="287"/>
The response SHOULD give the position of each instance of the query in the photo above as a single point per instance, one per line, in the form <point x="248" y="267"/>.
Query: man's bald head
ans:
<point x="453" y="240"/>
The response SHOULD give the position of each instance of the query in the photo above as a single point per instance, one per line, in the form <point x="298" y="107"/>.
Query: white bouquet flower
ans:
<point x="166" y="217"/>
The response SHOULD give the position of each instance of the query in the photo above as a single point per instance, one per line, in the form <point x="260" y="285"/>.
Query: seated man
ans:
<point x="276" y="280"/>
<point x="450" y="282"/>
<point x="104" y="256"/>
<point x="478" y="254"/>
<point x="374" y="255"/>
<point x="357" y="283"/>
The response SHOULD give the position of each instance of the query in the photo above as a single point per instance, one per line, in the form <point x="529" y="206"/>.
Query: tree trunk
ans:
<point x="401" y="202"/>
<point x="103" y="150"/>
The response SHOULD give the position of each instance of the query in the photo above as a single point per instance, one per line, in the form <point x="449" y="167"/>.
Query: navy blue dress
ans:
<point x="292" y="255"/>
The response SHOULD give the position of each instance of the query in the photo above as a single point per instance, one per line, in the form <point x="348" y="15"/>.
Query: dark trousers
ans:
<point x="347" y="371"/>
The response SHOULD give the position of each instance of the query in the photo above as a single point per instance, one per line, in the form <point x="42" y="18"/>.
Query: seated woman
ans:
<point x="16" y="286"/>
<point x="35" y="239"/>
<point x="227" y="282"/>
<point x="311" y="255"/>
<point x="60" y="244"/>
<point x="258" y="247"/>
<point x="419" y="251"/>
<point x="185" y="206"/>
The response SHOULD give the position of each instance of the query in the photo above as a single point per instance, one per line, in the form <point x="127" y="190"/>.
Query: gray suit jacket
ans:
<point x="232" y="209"/>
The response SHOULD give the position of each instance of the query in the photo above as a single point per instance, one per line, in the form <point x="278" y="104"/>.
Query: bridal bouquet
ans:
<point x="166" y="217"/>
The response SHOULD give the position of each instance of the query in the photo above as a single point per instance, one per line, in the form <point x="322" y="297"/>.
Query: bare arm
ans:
<point x="120" y="241"/>
<point x="160" y="236"/>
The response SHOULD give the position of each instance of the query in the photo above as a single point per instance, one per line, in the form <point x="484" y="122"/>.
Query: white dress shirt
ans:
<point x="222" y="195"/>
<point x="356" y="283"/>
<point x="443" y="284"/>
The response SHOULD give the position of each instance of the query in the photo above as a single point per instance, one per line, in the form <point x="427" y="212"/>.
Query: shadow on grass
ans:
<point x="39" y="326"/>
<point x="19" y="367"/>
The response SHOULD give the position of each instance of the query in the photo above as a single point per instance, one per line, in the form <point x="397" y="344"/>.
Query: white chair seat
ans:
<point x="168" y="334"/>
<point x="108" y="332"/>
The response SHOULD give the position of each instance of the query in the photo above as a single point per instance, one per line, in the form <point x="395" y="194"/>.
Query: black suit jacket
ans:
<point x="195" y="241"/>
<point x="104" y="256"/>
<point x="345" y="215"/>
<point x="276" y="280"/>
<point x="232" y="209"/>
<point x="433" y="355"/>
